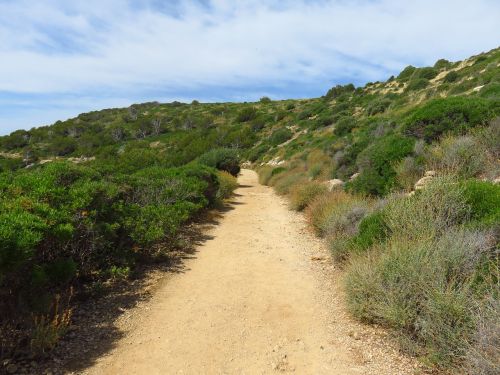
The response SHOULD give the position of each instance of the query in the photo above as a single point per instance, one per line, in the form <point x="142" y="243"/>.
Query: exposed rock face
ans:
<point x="334" y="184"/>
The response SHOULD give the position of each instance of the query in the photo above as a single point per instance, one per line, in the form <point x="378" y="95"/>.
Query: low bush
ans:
<point x="461" y="156"/>
<point x="408" y="171"/>
<point x="279" y="136"/>
<point x="302" y="195"/>
<point x="453" y="114"/>
<point x="422" y="288"/>
<point x="227" y="185"/>
<point x="417" y="84"/>
<point x="377" y="176"/>
<point x="224" y="159"/>
<point x="284" y="182"/>
<point x="483" y="198"/>
<point x="451" y="77"/>
<point x="326" y="209"/>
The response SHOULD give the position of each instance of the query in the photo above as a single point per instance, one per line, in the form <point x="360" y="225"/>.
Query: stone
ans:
<point x="353" y="176"/>
<point x="423" y="182"/>
<point x="430" y="174"/>
<point x="334" y="184"/>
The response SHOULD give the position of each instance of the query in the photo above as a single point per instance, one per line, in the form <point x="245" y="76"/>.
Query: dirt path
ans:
<point x="259" y="298"/>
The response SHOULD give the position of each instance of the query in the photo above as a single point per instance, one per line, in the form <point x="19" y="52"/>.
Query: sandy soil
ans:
<point x="260" y="297"/>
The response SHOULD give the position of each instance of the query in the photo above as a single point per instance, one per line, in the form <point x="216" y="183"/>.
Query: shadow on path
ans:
<point x="93" y="333"/>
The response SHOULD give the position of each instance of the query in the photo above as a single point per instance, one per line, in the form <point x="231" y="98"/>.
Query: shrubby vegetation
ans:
<point x="424" y="264"/>
<point x="90" y="198"/>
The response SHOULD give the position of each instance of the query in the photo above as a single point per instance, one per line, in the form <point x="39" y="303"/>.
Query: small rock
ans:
<point x="334" y="184"/>
<point x="354" y="176"/>
<point x="430" y="174"/>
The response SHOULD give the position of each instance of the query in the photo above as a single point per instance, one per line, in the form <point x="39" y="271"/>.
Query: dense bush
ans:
<point x="246" y="114"/>
<point x="227" y="185"/>
<point x="279" y="136"/>
<point x="417" y="84"/>
<point x="377" y="176"/>
<point x="451" y="77"/>
<point x="61" y="222"/>
<point x="454" y="114"/>
<point x="224" y="159"/>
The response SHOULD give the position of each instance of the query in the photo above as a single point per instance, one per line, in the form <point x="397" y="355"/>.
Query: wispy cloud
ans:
<point x="58" y="58"/>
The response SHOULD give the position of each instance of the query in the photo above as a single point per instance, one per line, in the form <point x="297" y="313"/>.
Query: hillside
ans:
<point x="89" y="199"/>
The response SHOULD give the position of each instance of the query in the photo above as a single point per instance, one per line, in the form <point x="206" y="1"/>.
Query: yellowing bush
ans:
<point x="302" y="195"/>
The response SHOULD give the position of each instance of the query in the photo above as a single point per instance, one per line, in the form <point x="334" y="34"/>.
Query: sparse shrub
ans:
<point x="461" y="156"/>
<point x="421" y="287"/>
<point x="315" y="171"/>
<point x="483" y="353"/>
<point x="429" y="211"/>
<point x="302" y="195"/>
<point x="408" y="171"/>
<point x="287" y="180"/>
<point x="265" y="174"/>
<point x="326" y="209"/>
<point x="246" y="114"/>
<point x="227" y="185"/>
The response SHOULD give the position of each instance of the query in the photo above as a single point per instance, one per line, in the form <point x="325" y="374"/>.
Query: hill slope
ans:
<point x="86" y="200"/>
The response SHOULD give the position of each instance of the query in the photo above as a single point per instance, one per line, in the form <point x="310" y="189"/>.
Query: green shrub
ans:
<point x="454" y="114"/>
<point x="491" y="91"/>
<point x="372" y="229"/>
<point x="302" y="195"/>
<point x="378" y="106"/>
<point x="344" y="126"/>
<point x="279" y="136"/>
<point x="377" y="176"/>
<point x="426" y="73"/>
<point x="224" y="159"/>
<point x="227" y="185"/>
<point x="442" y="64"/>
<point x="483" y="198"/>
<point x="246" y="114"/>
<point x="406" y="73"/>
<point x="417" y="84"/>
<point x="451" y="77"/>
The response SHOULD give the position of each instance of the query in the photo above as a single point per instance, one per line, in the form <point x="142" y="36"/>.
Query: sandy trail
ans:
<point x="257" y="299"/>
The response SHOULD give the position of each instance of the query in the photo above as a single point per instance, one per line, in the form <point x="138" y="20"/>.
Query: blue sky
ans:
<point x="60" y="58"/>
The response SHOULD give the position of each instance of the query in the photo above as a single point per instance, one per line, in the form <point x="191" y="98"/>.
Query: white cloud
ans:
<point x="55" y="46"/>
